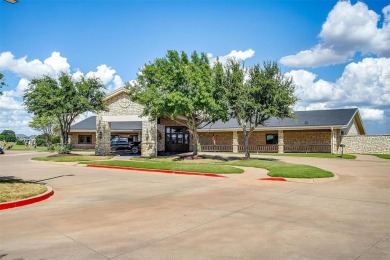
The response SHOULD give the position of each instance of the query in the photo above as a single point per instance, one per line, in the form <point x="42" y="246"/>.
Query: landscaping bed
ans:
<point x="14" y="189"/>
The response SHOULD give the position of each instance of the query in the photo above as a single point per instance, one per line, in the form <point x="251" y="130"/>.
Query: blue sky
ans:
<point x="337" y="52"/>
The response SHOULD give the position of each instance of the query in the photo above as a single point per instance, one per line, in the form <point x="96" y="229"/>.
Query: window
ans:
<point x="176" y="135"/>
<point x="271" y="139"/>
<point x="85" y="139"/>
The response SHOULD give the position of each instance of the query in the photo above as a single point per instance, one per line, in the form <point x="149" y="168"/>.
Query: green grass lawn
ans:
<point x="175" y="166"/>
<point x="208" y="164"/>
<point x="71" y="158"/>
<point x="281" y="169"/>
<point x="383" y="156"/>
<point x="16" y="147"/>
<point x="11" y="190"/>
<point x="316" y="155"/>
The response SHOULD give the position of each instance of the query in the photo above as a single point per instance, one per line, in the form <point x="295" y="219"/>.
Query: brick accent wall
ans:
<point x="320" y="137"/>
<point x="370" y="144"/>
<point x="256" y="138"/>
<point x="221" y="138"/>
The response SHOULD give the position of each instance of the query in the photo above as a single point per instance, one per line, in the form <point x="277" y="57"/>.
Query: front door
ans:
<point x="176" y="139"/>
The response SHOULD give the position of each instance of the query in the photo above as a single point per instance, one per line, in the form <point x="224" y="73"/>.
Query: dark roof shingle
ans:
<point x="301" y="119"/>
<point x="90" y="124"/>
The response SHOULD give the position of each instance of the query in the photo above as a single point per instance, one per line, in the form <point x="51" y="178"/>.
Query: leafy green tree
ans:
<point x="9" y="135"/>
<point x="41" y="140"/>
<point x="64" y="99"/>
<point x="177" y="85"/>
<point x="2" y="83"/>
<point x="256" y="94"/>
<point x="45" y="125"/>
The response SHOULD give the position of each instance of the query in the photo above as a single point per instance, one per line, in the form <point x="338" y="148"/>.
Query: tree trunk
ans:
<point x="195" y="142"/>
<point x="48" y="141"/>
<point x="247" y="134"/>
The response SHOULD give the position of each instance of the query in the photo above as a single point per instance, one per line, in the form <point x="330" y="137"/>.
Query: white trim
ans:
<point x="272" y="128"/>
<point x="81" y="130"/>
<point x="123" y="118"/>
<point x="114" y="93"/>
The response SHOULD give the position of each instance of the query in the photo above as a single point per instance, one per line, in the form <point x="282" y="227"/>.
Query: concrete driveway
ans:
<point x="117" y="214"/>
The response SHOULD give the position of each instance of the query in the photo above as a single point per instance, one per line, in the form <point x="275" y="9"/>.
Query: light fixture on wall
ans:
<point x="11" y="1"/>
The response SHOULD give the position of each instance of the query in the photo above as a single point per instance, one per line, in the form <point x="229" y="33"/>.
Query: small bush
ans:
<point x="63" y="149"/>
<point x="19" y="143"/>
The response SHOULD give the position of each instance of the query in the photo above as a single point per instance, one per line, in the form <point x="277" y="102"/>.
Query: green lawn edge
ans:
<point x="78" y="158"/>
<point x="286" y="170"/>
<point x="315" y="155"/>
<point x="175" y="166"/>
<point x="382" y="156"/>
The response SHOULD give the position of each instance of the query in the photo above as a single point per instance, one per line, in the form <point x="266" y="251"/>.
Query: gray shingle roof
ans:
<point x="90" y="124"/>
<point x="332" y="117"/>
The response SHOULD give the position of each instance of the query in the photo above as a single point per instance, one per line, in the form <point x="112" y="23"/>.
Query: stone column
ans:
<point x="149" y="139"/>
<point x="280" y="141"/>
<point x="103" y="137"/>
<point x="334" y="142"/>
<point x="235" y="142"/>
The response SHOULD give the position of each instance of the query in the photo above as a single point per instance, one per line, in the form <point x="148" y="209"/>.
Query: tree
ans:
<point x="9" y="135"/>
<point x="256" y="94"/>
<point x="64" y="99"/>
<point x="177" y="85"/>
<point x="45" y="125"/>
<point x="2" y="83"/>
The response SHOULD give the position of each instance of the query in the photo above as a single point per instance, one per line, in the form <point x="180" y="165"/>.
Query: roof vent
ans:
<point x="306" y="122"/>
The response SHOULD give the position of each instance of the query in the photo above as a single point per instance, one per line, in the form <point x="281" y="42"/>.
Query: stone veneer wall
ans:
<point x="121" y="105"/>
<point x="307" y="137"/>
<point x="149" y="142"/>
<point x="370" y="144"/>
<point x="116" y="106"/>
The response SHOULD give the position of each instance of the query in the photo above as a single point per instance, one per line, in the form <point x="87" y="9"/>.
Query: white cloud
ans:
<point x="238" y="55"/>
<point x="12" y="114"/>
<point x="118" y="83"/>
<point x="103" y="72"/>
<point x="347" y="30"/>
<point x="52" y="66"/>
<point x="372" y="114"/>
<point x="365" y="84"/>
<point x="309" y="89"/>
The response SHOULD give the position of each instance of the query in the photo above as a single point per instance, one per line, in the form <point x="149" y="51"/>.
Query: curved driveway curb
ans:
<point x="24" y="202"/>
<point x="155" y="170"/>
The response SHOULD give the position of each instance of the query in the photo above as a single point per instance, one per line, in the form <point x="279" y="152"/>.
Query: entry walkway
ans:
<point x="111" y="214"/>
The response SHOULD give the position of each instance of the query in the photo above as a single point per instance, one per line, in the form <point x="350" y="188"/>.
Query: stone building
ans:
<point x="309" y="131"/>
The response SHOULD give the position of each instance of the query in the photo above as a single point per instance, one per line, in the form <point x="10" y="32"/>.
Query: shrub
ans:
<point x="19" y="143"/>
<point x="63" y="149"/>
<point x="55" y="139"/>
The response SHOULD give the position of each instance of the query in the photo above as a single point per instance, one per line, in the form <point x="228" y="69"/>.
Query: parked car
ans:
<point x="124" y="145"/>
<point x="1" y="150"/>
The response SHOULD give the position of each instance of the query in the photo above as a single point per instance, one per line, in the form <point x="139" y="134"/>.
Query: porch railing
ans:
<point x="271" y="148"/>
<point x="83" y="146"/>
<point x="307" y="148"/>
<point x="217" y="148"/>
